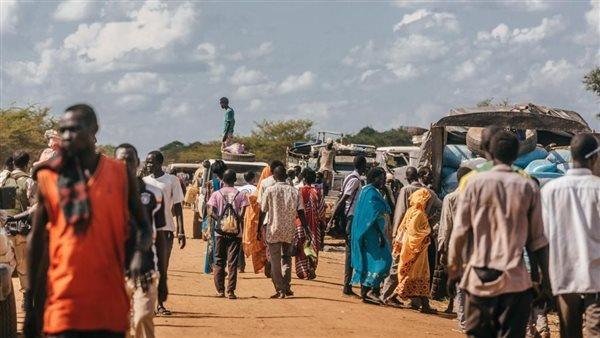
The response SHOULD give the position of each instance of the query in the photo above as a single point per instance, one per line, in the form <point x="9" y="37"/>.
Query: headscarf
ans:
<point x="252" y="246"/>
<point x="415" y="223"/>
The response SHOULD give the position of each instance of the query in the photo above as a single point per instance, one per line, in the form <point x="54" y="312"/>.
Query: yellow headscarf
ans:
<point x="415" y="223"/>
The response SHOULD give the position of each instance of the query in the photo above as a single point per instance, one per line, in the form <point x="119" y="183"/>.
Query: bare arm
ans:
<point x="178" y="213"/>
<point x="339" y="205"/>
<point x="143" y="226"/>
<point x="37" y="269"/>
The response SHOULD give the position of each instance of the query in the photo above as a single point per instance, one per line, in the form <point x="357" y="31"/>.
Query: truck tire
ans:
<point x="196" y="226"/>
<point x="8" y="317"/>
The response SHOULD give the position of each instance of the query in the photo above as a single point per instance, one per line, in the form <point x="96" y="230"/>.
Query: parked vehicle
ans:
<point x="394" y="160"/>
<point x="553" y="127"/>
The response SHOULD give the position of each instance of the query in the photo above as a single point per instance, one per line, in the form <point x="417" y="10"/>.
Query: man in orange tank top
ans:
<point x="77" y="243"/>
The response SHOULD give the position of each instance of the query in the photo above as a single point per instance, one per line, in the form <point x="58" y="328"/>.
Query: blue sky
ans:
<point x="154" y="71"/>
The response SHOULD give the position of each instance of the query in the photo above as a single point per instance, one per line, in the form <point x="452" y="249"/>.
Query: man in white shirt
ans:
<point x="283" y="204"/>
<point x="571" y="211"/>
<point x="172" y="207"/>
<point x="250" y="186"/>
<point x="263" y="216"/>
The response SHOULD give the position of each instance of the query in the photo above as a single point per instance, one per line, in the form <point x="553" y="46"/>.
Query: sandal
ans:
<point x="162" y="311"/>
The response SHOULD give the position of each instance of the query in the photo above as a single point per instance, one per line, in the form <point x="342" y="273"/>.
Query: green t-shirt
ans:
<point x="229" y="121"/>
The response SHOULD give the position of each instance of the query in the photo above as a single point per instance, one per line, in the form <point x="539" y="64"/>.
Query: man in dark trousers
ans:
<point x="344" y="210"/>
<point x="502" y="212"/>
<point x="225" y="208"/>
<point x="79" y="233"/>
<point x="172" y="207"/>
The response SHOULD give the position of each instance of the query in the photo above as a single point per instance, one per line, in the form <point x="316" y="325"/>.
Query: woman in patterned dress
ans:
<point x="314" y="209"/>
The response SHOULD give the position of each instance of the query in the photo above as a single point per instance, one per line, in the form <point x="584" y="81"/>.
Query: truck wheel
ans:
<point x="196" y="226"/>
<point x="8" y="316"/>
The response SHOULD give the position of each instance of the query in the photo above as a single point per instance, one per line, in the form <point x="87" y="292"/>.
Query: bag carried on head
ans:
<point x="229" y="223"/>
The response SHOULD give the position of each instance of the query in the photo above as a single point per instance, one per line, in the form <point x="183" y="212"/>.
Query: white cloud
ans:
<point x="142" y="82"/>
<point x="8" y="15"/>
<point x="152" y="27"/>
<point x="362" y="56"/>
<point x="216" y="70"/>
<point x="428" y="19"/>
<point x="547" y="28"/>
<point x="403" y="71"/>
<point x="406" y="52"/>
<point x="593" y="17"/>
<point x="32" y="73"/>
<point x="368" y="74"/>
<point x="528" y="5"/>
<point x="254" y="91"/>
<point x="319" y="110"/>
<point x="131" y="101"/>
<point x="255" y="105"/>
<point x="263" y="49"/>
<point x="500" y="33"/>
<point x="244" y="76"/>
<point x="73" y="10"/>
<point x="295" y="83"/>
<point x="553" y="72"/>
<point x="469" y="68"/>
<point x="292" y="83"/>
<point x="206" y="51"/>
<point x="173" y="108"/>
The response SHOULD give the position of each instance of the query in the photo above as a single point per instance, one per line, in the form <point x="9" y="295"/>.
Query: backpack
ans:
<point x="16" y="185"/>
<point x="229" y="223"/>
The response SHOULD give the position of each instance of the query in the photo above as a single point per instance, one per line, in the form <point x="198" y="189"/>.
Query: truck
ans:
<point x="553" y="127"/>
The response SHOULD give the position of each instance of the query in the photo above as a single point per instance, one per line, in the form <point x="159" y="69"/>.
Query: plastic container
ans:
<point x="559" y="156"/>
<point x="455" y="154"/>
<point x="537" y="154"/>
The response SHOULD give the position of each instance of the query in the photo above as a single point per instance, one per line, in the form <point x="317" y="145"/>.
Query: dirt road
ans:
<point x="318" y="308"/>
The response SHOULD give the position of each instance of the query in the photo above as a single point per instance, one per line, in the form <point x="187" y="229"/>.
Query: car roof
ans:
<point x="257" y="164"/>
<point x="399" y="149"/>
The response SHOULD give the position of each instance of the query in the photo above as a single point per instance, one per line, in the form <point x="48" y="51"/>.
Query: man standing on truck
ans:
<point x="229" y="123"/>
<point x="326" y="165"/>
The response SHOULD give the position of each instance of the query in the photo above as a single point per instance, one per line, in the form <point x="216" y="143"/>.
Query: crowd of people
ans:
<point x="94" y="236"/>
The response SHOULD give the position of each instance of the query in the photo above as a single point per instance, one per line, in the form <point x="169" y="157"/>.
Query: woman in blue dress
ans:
<point x="371" y="252"/>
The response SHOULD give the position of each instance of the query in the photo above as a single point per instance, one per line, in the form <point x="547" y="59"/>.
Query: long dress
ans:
<point x="371" y="258"/>
<point x="252" y="246"/>
<point x="411" y="243"/>
<point x="209" y="257"/>
<point x="314" y="210"/>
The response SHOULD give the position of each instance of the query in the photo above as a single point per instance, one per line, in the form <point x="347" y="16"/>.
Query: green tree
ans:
<point x="391" y="137"/>
<point x="270" y="139"/>
<point x="22" y="128"/>
<point x="592" y="81"/>
<point x="106" y="149"/>
<point x="490" y="102"/>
